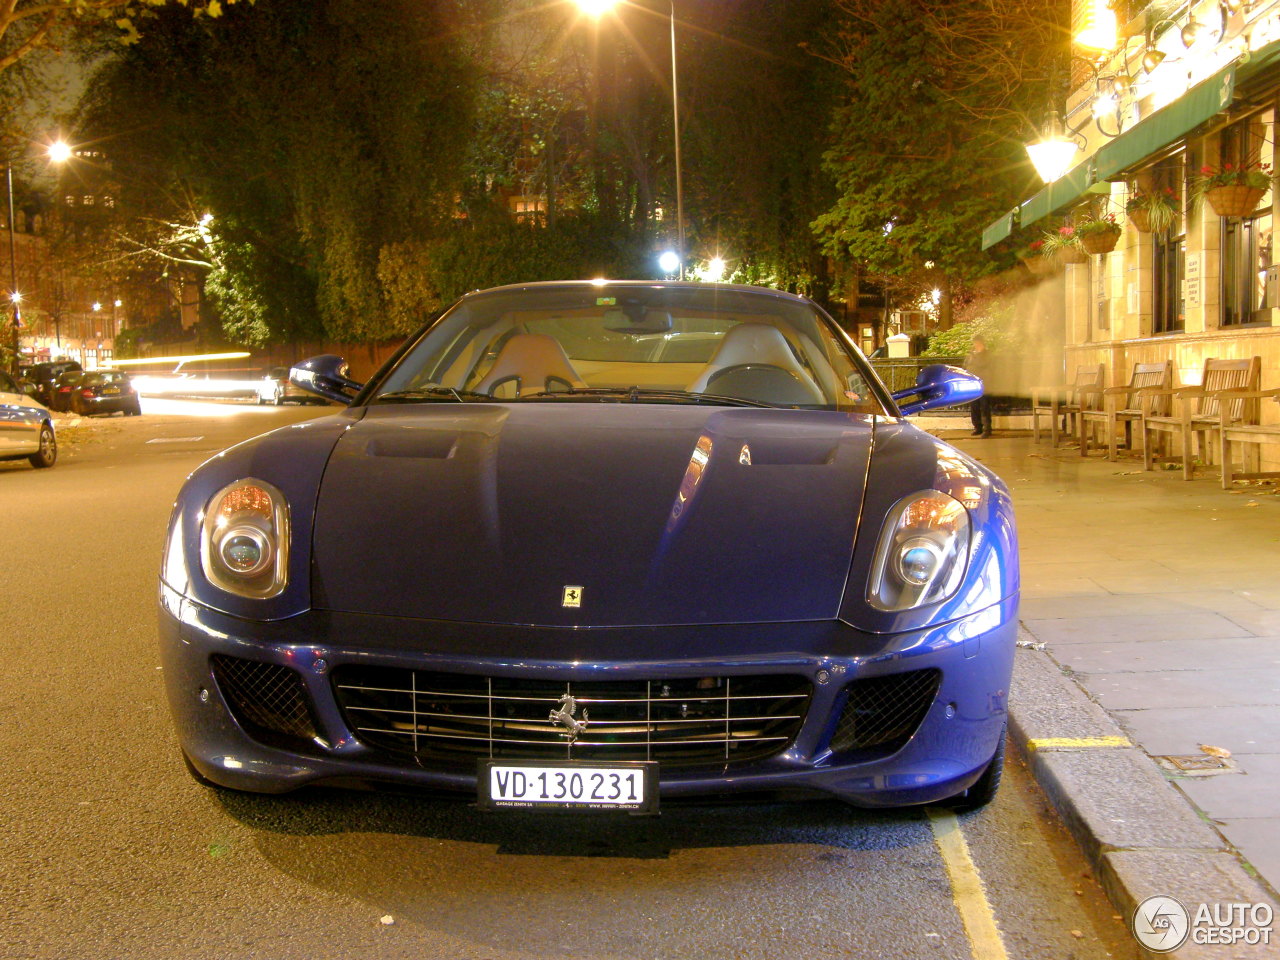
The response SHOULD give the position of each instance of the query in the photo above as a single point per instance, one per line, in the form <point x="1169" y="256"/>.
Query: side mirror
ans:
<point x="325" y="376"/>
<point x="939" y="385"/>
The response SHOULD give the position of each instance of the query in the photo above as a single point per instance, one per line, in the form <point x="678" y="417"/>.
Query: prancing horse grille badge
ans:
<point x="572" y="597"/>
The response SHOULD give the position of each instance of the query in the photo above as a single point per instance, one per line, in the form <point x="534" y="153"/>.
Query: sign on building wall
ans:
<point x="1193" y="292"/>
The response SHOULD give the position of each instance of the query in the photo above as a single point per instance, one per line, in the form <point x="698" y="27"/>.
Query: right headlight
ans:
<point x="244" y="540"/>
<point x="922" y="553"/>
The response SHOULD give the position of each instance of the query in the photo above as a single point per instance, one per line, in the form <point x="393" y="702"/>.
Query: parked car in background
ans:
<point x="44" y="376"/>
<point x="102" y="391"/>
<point x="26" y="428"/>
<point x="64" y="386"/>
<point x="274" y="387"/>
<point x="587" y="545"/>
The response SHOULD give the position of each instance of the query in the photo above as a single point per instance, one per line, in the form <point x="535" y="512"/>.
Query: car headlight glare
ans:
<point x="244" y="546"/>
<point x="922" y="553"/>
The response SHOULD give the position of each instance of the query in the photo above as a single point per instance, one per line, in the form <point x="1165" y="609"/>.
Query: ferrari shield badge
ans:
<point x="572" y="597"/>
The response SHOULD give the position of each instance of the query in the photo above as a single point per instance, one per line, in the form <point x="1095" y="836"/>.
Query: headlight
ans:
<point x="244" y="542"/>
<point x="922" y="552"/>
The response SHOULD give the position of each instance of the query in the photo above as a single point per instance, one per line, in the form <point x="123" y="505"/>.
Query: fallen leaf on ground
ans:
<point x="1078" y="934"/>
<point x="388" y="920"/>
<point x="1222" y="752"/>
<point x="1252" y="503"/>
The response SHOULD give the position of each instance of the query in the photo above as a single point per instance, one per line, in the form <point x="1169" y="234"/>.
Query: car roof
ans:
<point x="639" y="284"/>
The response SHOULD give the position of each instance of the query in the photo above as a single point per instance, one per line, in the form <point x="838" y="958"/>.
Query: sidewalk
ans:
<point x="1162" y="598"/>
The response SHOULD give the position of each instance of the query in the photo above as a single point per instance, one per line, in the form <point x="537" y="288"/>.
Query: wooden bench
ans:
<point x="1199" y="412"/>
<point x="1125" y="405"/>
<point x="1249" y="433"/>
<point x="1063" y="400"/>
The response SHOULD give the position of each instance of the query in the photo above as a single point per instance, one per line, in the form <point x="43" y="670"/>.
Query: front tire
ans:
<point x="985" y="788"/>
<point x="47" y="455"/>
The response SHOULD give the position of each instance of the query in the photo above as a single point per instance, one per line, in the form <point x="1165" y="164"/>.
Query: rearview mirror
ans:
<point x="939" y="385"/>
<point x="325" y="376"/>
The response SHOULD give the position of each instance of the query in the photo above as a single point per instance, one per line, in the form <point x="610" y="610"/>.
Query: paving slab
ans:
<point x="1144" y="656"/>
<point x="1179" y="730"/>
<point x="1216" y="601"/>
<point x="1208" y="688"/>
<point x="1175" y="626"/>
<point x="1247" y="795"/>
<point x="1260" y="836"/>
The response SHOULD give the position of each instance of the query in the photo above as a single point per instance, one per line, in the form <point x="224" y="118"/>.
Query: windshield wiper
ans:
<point x="433" y="393"/>
<point x="643" y="395"/>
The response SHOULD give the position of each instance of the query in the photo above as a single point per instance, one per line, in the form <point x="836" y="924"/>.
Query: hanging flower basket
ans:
<point x="1235" y="200"/>
<point x="1098" y="234"/>
<point x="1100" y="242"/>
<point x="1152" y="211"/>
<point x="1071" y="254"/>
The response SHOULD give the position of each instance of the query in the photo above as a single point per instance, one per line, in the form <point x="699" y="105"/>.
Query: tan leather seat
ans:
<point x="756" y="345"/>
<point x="534" y="363"/>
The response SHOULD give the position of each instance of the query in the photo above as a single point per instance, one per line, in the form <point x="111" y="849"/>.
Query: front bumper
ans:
<point x="955" y="740"/>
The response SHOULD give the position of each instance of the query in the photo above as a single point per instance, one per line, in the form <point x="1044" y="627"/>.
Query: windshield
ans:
<point x="633" y="342"/>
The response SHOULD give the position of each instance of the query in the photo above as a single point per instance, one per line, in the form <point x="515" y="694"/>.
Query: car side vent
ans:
<point x="268" y="700"/>
<point x="883" y="713"/>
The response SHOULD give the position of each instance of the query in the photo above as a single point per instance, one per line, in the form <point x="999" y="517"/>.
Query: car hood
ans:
<point x="640" y="514"/>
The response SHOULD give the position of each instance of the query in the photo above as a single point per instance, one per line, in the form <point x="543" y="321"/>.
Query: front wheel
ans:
<point x="47" y="455"/>
<point x="985" y="788"/>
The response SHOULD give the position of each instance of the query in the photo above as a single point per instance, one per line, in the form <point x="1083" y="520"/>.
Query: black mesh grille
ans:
<point x="267" y="699"/>
<point x="882" y="713"/>
<point x="453" y="719"/>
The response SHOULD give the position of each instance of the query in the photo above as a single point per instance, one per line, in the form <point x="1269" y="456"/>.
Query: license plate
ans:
<point x="631" y="787"/>
<point x="110" y="391"/>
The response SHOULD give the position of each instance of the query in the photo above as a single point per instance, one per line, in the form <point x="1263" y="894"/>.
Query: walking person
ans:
<point x="979" y="363"/>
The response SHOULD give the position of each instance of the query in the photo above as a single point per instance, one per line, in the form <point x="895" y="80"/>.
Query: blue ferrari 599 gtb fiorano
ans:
<point x="594" y="545"/>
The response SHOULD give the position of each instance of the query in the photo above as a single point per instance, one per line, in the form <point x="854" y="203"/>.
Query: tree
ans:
<point x="928" y="147"/>
<point x="313" y="133"/>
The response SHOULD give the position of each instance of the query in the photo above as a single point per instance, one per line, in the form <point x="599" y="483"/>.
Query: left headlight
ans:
<point x="922" y="552"/>
<point x="244" y="540"/>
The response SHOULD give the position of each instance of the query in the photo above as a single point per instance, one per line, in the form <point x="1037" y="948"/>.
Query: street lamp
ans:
<point x="15" y="297"/>
<point x="597" y="9"/>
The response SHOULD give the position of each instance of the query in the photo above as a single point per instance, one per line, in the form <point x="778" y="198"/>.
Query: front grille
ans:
<point x="882" y="713"/>
<point x="456" y="718"/>
<point x="267" y="699"/>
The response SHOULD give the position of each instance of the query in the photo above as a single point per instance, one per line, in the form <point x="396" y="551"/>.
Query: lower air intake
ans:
<point x="268" y="700"/>
<point x="883" y="713"/>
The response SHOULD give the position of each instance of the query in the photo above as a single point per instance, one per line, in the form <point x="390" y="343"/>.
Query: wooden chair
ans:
<point x="1063" y="400"/>
<point x="1252" y="433"/>
<point x="1124" y="405"/>
<point x="1199" y="411"/>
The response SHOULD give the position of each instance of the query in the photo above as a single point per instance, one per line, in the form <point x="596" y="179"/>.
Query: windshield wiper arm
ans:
<point x="433" y="393"/>
<point x="641" y="394"/>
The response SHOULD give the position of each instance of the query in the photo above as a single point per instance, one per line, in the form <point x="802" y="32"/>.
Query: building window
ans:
<point x="1169" y="307"/>
<point x="1246" y="242"/>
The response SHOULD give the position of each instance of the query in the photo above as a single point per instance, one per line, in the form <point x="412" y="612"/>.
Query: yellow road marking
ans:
<point x="966" y="887"/>
<point x="1047" y="743"/>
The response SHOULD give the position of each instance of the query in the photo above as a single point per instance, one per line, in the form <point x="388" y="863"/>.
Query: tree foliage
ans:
<point x="30" y="25"/>
<point x="313" y="132"/>
<point x="928" y="147"/>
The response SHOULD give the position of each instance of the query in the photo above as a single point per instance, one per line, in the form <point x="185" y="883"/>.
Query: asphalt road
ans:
<point x="111" y="850"/>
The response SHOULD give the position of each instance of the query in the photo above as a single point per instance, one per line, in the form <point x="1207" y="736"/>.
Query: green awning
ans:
<point x="1063" y="192"/>
<point x="1202" y="102"/>
<point x="1258" y="61"/>
<point x="997" y="231"/>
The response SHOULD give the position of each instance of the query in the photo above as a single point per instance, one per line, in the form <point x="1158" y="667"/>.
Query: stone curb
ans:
<point x="1141" y="837"/>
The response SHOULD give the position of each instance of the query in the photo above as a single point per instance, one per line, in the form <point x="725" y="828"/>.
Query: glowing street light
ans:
<point x="669" y="261"/>
<point x="714" y="271"/>
<point x="59" y="151"/>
